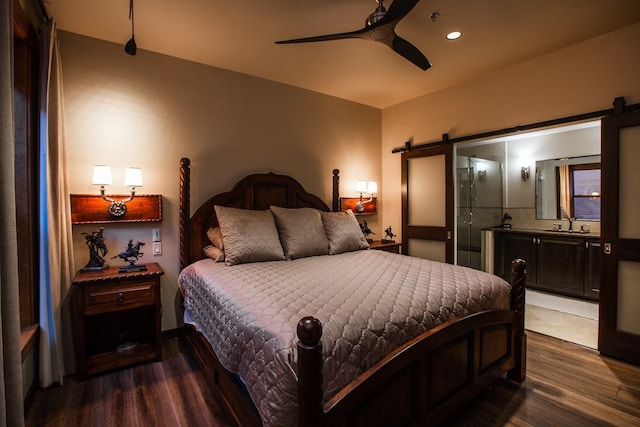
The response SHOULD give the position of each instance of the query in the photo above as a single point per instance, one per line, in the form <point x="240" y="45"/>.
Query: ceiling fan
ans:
<point x="380" y="27"/>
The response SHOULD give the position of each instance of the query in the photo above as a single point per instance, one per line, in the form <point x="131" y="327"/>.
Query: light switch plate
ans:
<point x="155" y="234"/>
<point x="157" y="248"/>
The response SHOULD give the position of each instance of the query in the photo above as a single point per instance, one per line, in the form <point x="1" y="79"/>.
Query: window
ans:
<point x="585" y="191"/>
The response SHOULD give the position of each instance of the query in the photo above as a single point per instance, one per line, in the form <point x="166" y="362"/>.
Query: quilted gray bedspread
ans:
<point x="369" y="302"/>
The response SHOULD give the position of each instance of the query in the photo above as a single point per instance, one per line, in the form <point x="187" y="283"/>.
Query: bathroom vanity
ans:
<point x="560" y="262"/>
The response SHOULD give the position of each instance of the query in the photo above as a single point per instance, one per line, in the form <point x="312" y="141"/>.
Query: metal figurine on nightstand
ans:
<point x="97" y="251"/>
<point x="388" y="236"/>
<point x="131" y="255"/>
<point x="366" y="231"/>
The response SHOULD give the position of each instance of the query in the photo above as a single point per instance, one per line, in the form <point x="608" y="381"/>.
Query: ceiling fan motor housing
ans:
<point x="377" y="15"/>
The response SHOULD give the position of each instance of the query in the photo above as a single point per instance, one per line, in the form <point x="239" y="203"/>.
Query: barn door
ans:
<point x="619" y="330"/>
<point x="427" y="203"/>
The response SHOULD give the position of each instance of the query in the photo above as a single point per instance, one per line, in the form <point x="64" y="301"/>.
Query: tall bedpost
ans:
<point x="336" y="191"/>
<point x="310" y="409"/>
<point x="185" y="211"/>
<point x="518" y="284"/>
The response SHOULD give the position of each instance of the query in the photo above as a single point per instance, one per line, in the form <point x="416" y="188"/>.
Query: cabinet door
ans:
<point x="509" y="246"/>
<point x="592" y="269"/>
<point x="560" y="265"/>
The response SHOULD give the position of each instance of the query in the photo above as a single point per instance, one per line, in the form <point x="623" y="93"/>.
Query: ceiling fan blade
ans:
<point x="410" y="52"/>
<point x="338" y="36"/>
<point x="382" y="31"/>
<point x="398" y="10"/>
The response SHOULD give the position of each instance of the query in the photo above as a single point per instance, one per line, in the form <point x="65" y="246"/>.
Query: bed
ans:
<point x="324" y="366"/>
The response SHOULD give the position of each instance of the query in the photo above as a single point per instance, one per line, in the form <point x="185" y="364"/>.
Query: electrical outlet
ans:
<point x="155" y="234"/>
<point x="157" y="248"/>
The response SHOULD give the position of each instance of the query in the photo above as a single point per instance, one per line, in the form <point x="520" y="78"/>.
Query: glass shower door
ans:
<point x="479" y="205"/>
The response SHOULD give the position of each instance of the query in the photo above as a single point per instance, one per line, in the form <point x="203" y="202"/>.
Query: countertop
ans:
<point x="545" y="232"/>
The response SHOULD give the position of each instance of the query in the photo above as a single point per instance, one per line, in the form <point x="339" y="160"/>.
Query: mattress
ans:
<point x="369" y="302"/>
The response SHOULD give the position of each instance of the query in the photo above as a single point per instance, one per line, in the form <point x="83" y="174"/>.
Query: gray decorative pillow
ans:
<point x="249" y="235"/>
<point x="214" y="253"/>
<point x="301" y="232"/>
<point x="215" y="237"/>
<point x="343" y="232"/>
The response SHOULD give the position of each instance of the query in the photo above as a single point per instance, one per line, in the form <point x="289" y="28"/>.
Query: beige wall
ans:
<point x="581" y="78"/>
<point x="150" y="110"/>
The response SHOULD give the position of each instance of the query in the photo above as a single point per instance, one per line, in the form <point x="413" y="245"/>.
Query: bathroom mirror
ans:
<point x="568" y="187"/>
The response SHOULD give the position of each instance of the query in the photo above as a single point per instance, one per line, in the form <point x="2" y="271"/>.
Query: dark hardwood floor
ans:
<point x="167" y="393"/>
<point x="567" y="385"/>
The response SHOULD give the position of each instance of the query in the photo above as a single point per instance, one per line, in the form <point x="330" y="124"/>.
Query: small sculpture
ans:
<point x="388" y="236"/>
<point x="97" y="251"/>
<point x="366" y="231"/>
<point x="131" y="255"/>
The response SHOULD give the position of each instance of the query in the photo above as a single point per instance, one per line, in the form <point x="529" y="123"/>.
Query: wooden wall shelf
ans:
<point x="92" y="209"/>
<point x="370" y="208"/>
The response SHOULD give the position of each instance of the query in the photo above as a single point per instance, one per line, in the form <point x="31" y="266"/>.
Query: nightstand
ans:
<point x="388" y="247"/>
<point x="118" y="318"/>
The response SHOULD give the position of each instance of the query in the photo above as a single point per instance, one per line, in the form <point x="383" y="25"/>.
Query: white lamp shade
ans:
<point x="101" y="175"/>
<point x="372" y="187"/>
<point x="133" y="177"/>
<point x="361" y="186"/>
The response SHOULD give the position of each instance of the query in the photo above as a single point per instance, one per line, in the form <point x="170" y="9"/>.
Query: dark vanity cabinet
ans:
<point x="560" y="263"/>
<point x="509" y="246"/>
<point x="565" y="264"/>
<point x="592" y="269"/>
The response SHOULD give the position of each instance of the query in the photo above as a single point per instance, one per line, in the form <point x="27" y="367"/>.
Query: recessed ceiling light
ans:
<point x="454" y="35"/>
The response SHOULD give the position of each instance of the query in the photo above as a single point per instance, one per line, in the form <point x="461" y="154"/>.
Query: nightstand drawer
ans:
<point x="105" y="298"/>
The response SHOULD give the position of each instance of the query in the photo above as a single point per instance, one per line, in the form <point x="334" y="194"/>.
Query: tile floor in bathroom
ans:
<point x="564" y="318"/>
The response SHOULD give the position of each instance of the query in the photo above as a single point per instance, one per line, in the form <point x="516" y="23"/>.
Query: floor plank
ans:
<point x="567" y="385"/>
<point x="171" y="393"/>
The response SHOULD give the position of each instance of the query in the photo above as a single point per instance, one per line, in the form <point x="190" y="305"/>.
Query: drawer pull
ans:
<point x="120" y="297"/>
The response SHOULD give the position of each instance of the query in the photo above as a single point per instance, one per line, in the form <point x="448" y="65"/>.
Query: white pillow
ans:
<point x="343" y="232"/>
<point x="301" y="232"/>
<point x="248" y="235"/>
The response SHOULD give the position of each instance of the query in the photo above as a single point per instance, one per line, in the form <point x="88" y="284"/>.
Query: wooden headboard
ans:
<point x="257" y="191"/>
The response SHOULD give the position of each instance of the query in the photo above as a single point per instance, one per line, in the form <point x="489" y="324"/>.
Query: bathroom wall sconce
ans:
<point x="364" y="187"/>
<point x="482" y="169"/>
<point x="524" y="172"/>
<point x="132" y="178"/>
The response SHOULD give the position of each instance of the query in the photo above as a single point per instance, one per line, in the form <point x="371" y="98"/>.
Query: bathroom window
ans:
<point x="585" y="191"/>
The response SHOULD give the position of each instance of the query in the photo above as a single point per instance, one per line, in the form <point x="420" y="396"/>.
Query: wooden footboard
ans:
<point x="425" y="381"/>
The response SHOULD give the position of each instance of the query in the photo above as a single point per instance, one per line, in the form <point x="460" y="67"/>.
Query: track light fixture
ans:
<point x="131" y="47"/>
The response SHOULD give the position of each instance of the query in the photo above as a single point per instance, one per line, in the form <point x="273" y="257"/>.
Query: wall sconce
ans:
<point x="132" y="178"/>
<point x="482" y="169"/>
<point x="524" y="172"/>
<point x="364" y="187"/>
